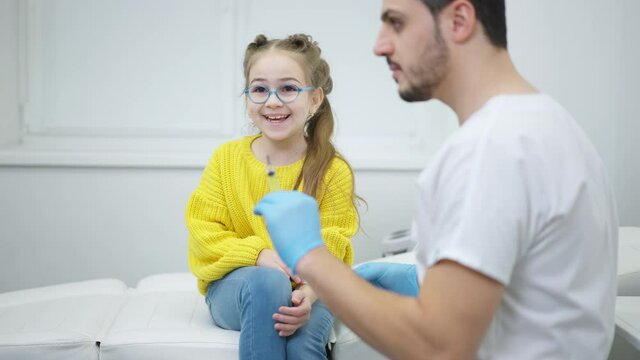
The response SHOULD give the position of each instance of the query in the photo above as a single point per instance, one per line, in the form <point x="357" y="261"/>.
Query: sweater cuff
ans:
<point x="339" y="246"/>
<point x="253" y="246"/>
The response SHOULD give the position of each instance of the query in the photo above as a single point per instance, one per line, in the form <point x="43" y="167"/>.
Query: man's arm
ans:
<point x="448" y="320"/>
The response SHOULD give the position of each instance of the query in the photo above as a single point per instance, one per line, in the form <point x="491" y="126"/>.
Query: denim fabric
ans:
<point x="246" y="300"/>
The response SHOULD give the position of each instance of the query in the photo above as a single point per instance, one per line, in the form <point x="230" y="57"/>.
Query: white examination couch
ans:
<point x="165" y="317"/>
<point x="60" y="322"/>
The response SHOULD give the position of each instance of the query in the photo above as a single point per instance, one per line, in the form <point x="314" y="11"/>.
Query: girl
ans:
<point x="246" y="285"/>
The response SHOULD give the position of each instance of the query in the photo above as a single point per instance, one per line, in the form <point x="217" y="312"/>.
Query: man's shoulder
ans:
<point x="509" y="121"/>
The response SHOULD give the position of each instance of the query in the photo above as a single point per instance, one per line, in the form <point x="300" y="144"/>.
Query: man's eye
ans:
<point x="288" y="88"/>
<point x="395" y="23"/>
<point x="259" y="89"/>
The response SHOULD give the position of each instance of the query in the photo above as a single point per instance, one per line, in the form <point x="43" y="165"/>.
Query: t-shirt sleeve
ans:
<point x="479" y="213"/>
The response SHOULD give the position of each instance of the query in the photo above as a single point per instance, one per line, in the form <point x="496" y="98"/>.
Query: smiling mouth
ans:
<point x="276" y="118"/>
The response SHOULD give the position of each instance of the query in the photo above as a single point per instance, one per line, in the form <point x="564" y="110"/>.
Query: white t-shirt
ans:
<point x="520" y="195"/>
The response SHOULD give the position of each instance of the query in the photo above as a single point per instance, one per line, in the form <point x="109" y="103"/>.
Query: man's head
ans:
<point x="417" y="35"/>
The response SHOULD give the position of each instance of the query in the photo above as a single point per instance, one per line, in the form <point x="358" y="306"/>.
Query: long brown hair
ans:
<point x="319" y="127"/>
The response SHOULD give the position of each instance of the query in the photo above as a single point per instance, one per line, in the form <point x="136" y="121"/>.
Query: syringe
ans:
<point x="271" y="177"/>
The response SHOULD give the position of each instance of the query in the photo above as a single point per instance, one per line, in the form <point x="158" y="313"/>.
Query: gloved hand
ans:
<point x="293" y="223"/>
<point x="399" y="278"/>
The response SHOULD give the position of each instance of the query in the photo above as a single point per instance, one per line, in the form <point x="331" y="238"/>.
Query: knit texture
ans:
<point x="224" y="234"/>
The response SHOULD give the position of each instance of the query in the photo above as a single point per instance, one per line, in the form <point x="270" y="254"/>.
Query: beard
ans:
<point x="429" y="72"/>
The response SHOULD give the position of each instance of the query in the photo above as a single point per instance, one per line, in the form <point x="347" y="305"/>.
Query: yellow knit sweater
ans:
<point x="224" y="234"/>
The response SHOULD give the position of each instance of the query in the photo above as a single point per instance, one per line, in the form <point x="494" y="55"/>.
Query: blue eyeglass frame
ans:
<point x="275" y="91"/>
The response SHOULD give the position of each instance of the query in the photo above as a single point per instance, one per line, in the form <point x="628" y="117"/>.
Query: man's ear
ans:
<point x="461" y="20"/>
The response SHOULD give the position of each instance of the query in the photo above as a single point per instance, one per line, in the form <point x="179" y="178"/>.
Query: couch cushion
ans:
<point x="166" y="318"/>
<point x="58" y="322"/>
<point x="629" y="261"/>
<point x="348" y="345"/>
<point x="628" y="319"/>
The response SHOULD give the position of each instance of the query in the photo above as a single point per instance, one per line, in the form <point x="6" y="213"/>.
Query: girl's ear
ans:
<point x="317" y="97"/>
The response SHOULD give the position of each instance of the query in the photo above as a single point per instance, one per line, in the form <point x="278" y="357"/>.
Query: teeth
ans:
<point x="277" y="117"/>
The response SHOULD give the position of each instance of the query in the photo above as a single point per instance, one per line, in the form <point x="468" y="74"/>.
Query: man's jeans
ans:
<point x="246" y="300"/>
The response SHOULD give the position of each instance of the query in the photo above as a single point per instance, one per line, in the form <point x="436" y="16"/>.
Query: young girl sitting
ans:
<point x="246" y="285"/>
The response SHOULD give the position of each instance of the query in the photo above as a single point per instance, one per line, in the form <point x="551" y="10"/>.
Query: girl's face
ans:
<point x="280" y="122"/>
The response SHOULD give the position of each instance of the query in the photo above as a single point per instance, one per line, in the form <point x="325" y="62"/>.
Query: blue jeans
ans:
<point x="246" y="299"/>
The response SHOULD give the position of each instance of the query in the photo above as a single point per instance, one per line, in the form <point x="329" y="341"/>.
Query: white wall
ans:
<point x="63" y="224"/>
<point x="81" y="202"/>
<point x="627" y="124"/>
<point x="8" y="72"/>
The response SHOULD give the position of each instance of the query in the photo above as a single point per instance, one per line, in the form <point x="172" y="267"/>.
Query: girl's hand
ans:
<point x="290" y="319"/>
<point x="270" y="258"/>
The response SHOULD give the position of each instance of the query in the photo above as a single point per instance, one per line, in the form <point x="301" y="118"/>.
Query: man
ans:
<point x="516" y="225"/>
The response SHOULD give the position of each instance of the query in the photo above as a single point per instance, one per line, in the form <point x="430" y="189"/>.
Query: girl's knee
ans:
<point x="268" y="284"/>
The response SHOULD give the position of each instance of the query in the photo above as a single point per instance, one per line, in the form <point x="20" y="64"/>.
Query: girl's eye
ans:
<point x="259" y="89"/>
<point x="288" y="88"/>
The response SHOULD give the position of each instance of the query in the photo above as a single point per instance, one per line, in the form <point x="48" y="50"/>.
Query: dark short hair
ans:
<point x="490" y="13"/>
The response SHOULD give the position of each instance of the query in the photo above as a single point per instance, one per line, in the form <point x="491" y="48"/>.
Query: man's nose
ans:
<point x="382" y="46"/>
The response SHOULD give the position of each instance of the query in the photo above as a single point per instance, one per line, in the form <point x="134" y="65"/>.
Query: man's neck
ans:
<point x="473" y="81"/>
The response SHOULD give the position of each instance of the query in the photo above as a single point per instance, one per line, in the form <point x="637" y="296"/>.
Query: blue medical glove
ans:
<point x="399" y="278"/>
<point x="293" y="223"/>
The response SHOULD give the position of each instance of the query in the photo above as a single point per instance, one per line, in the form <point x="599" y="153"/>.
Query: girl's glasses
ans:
<point x="259" y="94"/>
